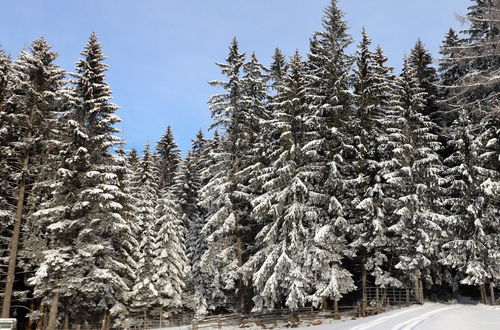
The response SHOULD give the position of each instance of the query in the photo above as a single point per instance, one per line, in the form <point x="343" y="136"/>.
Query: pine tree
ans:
<point x="186" y="190"/>
<point x="31" y="109"/>
<point x="372" y="89"/>
<point x="168" y="157"/>
<point x="145" y="293"/>
<point x="6" y="162"/>
<point x="449" y="70"/>
<point x="208" y="292"/>
<point x="278" y="68"/>
<point x="450" y="73"/>
<point x="92" y="206"/>
<point x="472" y="225"/>
<point x="415" y="183"/>
<point x="277" y="266"/>
<point x="331" y="147"/>
<point x="238" y="111"/>
<point x="5" y="69"/>
<point x="421" y="61"/>
<point x="171" y="263"/>
<point x="474" y="98"/>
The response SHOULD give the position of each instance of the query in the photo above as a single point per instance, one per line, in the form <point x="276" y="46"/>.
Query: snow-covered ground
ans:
<point x="430" y="316"/>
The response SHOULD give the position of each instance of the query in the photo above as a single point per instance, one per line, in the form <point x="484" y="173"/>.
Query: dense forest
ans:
<point x="325" y="173"/>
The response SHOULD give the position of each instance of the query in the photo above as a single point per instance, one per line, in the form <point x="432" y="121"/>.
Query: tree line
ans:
<point x="326" y="173"/>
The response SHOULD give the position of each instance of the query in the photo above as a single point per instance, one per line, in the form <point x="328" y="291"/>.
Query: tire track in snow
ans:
<point x="412" y="323"/>
<point x="368" y="325"/>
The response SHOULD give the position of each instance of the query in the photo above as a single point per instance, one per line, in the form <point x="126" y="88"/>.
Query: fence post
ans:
<point x="377" y="300"/>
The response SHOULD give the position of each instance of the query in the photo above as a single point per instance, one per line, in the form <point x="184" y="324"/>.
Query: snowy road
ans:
<point x="429" y="317"/>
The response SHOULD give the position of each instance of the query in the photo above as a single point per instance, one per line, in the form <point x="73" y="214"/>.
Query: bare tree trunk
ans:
<point x="482" y="288"/>
<point x="421" y="287"/>
<point x="14" y="245"/>
<point x="53" y="312"/>
<point x="324" y="304"/>
<point x="417" y="289"/>
<point x="39" y="323"/>
<point x="32" y="308"/>
<point x="336" y="314"/>
<point x="145" y="317"/>
<point x="66" y="322"/>
<point x="239" y="256"/>
<point x="492" y="286"/>
<point x="14" y="241"/>
<point x="106" y="321"/>
<point x="363" y="287"/>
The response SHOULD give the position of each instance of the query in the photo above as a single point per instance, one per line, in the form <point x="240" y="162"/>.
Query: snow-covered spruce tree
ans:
<point x="186" y="191"/>
<point x="386" y="106"/>
<point x="277" y="69"/>
<point x="415" y="182"/>
<point x="145" y="295"/>
<point x="331" y="149"/>
<point x="277" y="266"/>
<point x="223" y="256"/>
<point x="169" y="158"/>
<point x="472" y="247"/>
<point x="171" y="265"/>
<point x="187" y="185"/>
<point x="228" y="194"/>
<point x="450" y="71"/>
<point x="476" y="97"/>
<point x="6" y="163"/>
<point x="31" y="109"/>
<point x="421" y="61"/>
<point x="208" y="291"/>
<point x="372" y="89"/>
<point x="93" y="205"/>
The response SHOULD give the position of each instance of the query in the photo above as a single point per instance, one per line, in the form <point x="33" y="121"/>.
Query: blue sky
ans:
<point x="161" y="53"/>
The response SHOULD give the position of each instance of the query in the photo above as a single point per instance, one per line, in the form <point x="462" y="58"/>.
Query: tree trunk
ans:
<point x="66" y="322"/>
<point x="14" y="245"/>
<point x="363" y="287"/>
<point x="53" y="312"/>
<point x="106" y="321"/>
<point x="336" y="314"/>
<point x="14" y="242"/>
<point x="39" y="323"/>
<point x="324" y="304"/>
<point x="239" y="256"/>
<point x="417" y="290"/>
<point x="32" y="308"/>
<point x="421" y="293"/>
<point x="145" y="317"/>
<point x="482" y="288"/>
<point x="492" y="286"/>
